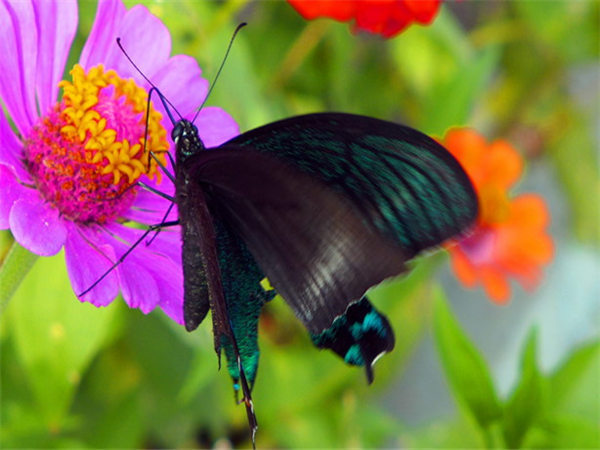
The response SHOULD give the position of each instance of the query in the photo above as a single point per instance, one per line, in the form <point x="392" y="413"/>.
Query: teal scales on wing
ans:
<point x="244" y="296"/>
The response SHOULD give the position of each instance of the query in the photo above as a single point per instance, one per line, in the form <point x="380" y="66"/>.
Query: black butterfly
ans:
<point x="325" y="206"/>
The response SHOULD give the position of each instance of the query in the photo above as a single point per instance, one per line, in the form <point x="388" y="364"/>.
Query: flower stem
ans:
<point x="16" y="265"/>
<point x="303" y="45"/>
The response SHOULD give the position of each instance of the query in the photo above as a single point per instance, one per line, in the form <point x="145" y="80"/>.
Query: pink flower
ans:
<point x="69" y="168"/>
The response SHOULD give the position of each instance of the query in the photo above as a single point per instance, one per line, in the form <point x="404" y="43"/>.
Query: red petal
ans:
<point x="385" y="17"/>
<point x="423" y="10"/>
<point x="495" y="284"/>
<point x="462" y="267"/>
<point x="342" y="10"/>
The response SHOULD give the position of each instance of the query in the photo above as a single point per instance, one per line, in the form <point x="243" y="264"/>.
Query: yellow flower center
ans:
<point x="87" y="120"/>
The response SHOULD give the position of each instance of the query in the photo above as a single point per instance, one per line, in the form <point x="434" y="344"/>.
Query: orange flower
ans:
<point x="385" y="17"/>
<point x="509" y="239"/>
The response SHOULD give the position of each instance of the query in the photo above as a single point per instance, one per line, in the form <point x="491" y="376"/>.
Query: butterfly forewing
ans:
<point x="404" y="184"/>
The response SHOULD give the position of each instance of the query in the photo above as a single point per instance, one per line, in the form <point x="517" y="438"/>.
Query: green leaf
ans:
<point x="567" y="29"/>
<point x="579" y="395"/>
<point x="580" y="174"/>
<point x="527" y="401"/>
<point x="564" y="431"/>
<point x="16" y="265"/>
<point x="56" y="336"/>
<point x="451" y="103"/>
<point x="568" y="376"/>
<point x="465" y="369"/>
<point x="455" y="431"/>
<point x="428" y="56"/>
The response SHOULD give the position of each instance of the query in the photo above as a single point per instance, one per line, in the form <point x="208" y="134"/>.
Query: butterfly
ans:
<point x="325" y="206"/>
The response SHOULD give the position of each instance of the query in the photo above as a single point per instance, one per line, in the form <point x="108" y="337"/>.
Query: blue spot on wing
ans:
<point x="359" y="335"/>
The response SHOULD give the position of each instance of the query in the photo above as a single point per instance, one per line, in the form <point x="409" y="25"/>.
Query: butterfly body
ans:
<point x="198" y="234"/>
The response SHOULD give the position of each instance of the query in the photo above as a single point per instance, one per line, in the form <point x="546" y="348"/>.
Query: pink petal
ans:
<point x="101" y="40"/>
<point x="143" y="36"/>
<point x="153" y="216"/>
<point x="57" y="23"/>
<point x="215" y="126"/>
<point x="165" y="186"/>
<point x="11" y="150"/>
<point x="168" y="243"/>
<point x="180" y="81"/>
<point x="171" y="296"/>
<point x="137" y="284"/>
<point x="148" y="276"/>
<point x="149" y="208"/>
<point x="11" y="192"/>
<point x="155" y="280"/>
<point x="168" y="276"/>
<point x="37" y="226"/>
<point x="18" y="47"/>
<point x="87" y="259"/>
<point x="147" y="41"/>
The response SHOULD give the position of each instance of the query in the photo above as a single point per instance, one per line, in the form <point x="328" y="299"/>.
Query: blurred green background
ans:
<point x="465" y="372"/>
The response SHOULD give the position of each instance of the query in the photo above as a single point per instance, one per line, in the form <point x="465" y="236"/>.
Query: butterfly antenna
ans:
<point x="163" y="99"/>
<point x="238" y="28"/>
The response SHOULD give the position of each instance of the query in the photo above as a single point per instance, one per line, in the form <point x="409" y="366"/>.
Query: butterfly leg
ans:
<point x="247" y="399"/>
<point x="151" y="154"/>
<point x="156" y="191"/>
<point x="149" y="230"/>
<point x="164" y="219"/>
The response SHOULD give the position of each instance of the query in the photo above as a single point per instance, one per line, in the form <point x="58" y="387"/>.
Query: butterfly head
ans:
<point x="186" y="139"/>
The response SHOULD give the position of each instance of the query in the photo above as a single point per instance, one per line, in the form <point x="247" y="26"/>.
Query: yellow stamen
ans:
<point x="86" y="125"/>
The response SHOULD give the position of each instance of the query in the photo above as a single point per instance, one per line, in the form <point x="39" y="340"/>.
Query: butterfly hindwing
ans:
<point x="405" y="184"/>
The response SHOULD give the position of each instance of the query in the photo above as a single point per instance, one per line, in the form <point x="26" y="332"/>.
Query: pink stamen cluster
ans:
<point x="66" y="178"/>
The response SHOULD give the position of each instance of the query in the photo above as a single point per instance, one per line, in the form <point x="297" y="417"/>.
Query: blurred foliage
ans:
<point x="77" y="376"/>
<point x="556" y="410"/>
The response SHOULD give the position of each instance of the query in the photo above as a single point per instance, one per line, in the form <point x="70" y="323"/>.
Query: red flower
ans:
<point x="509" y="239"/>
<point x="385" y="17"/>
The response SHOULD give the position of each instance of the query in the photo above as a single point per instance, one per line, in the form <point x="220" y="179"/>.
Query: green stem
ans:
<point x="488" y="438"/>
<point x="16" y="265"/>
<point x="304" y="44"/>
<point x="492" y="435"/>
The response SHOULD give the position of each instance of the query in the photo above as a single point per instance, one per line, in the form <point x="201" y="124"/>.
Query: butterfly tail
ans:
<point x="360" y="336"/>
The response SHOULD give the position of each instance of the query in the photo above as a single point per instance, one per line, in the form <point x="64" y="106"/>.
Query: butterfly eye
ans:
<point x="177" y="132"/>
